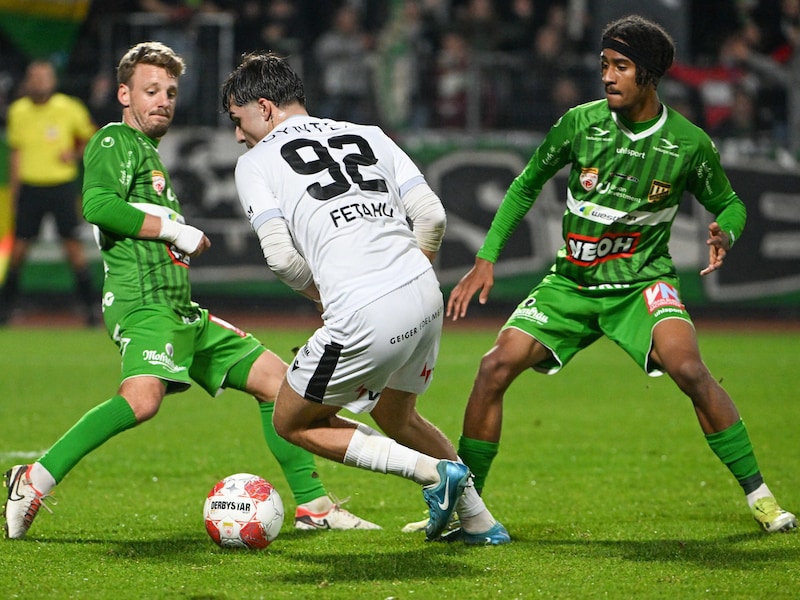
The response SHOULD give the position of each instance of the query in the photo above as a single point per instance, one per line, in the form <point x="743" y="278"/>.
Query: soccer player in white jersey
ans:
<point x="345" y="218"/>
<point x="631" y="158"/>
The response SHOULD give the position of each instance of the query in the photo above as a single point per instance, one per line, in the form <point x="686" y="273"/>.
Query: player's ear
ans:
<point x="266" y="108"/>
<point x="124" y="95"/>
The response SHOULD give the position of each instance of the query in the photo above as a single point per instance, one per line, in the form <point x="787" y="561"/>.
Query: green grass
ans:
<point x="603" y="479"/>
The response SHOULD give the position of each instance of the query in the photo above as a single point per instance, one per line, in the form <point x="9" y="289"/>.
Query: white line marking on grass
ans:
<point x="21" y="454"/>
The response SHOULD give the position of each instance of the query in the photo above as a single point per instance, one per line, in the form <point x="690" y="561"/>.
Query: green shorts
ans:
<point x="566" y="317"/>
<point x="155" y="341"/>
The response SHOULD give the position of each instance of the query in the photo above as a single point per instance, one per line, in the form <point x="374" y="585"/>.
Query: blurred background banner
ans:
<point x="6" y="214"/>
<point x="468" y="88"/>
<point x="43" y="28"/>
<point x="471" y="175"/>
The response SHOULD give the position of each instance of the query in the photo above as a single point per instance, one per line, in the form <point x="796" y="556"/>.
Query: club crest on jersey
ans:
<point x="658" y="190"/>
<point x="588" y="178"/>
<point x="159" y="182"/>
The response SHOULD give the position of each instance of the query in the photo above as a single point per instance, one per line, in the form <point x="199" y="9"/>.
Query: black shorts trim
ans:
<point x="322" y="376"/>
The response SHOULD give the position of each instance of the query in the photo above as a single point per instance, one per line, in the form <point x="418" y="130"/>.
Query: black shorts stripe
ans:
<point x="322" y="376"/>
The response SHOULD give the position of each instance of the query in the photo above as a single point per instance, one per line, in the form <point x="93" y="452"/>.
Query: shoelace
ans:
<point x="337" y="504"/>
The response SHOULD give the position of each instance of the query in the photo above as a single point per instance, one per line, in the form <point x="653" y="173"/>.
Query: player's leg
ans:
<point x="260" y="374"/>
<point x="63" y="205"/>
<point x="544" y="332"/>
<point x="317" y="428"/>
<point x="652" y="325"/>
<point x="396" y="414"/>
<point x="29" y="485"/>
<point x="675" y="348"/>
<point x="138" y="399"/>
<point x="348" y="366"/>
<point x="30" y="212"/>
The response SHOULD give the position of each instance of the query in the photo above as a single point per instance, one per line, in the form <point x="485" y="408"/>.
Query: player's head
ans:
<point x="645" y="43"/>
<point x="148" y="87"/>
<point x="263" y="75"/>
<point x="40" y="81"/>
<point x="149" y="53"/>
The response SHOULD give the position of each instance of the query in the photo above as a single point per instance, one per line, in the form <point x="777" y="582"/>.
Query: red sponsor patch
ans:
<point x="587" y="251"/>
<point x="660" y="295"/>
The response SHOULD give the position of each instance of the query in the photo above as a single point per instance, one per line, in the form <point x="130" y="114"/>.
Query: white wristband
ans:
<point x="185" y="237"/>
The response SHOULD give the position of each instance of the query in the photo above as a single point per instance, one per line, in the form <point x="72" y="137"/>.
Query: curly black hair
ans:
<point x="652" y="49"/>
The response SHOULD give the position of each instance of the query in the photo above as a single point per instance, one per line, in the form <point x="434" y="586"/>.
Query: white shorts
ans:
<point x="392" y="342"/>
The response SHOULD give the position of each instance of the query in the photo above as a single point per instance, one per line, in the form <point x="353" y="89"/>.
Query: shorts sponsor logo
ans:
<point x="588" y="251"/>
<point x="372" y="396"/>
<point x="662" y="297"/>
<point x="426" y="372"/>
<point x="163" y="359"/>
<point x="396" y="339"/>
<point x="528" y="311"/>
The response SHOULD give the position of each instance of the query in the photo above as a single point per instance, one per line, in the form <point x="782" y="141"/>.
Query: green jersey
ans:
<point x="624" y="189"/>
<point x="123" y="172"/>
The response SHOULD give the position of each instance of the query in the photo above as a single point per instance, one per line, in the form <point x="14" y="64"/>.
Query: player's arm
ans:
<point x="104" y="204"/>
<point x="711" y="187"/>
<point x="549" y="157"/>
<point x="284" y="259"/>
<point x="427" y="215"/>
<point x="104" y="208"/>
<point x="265" y="216"/>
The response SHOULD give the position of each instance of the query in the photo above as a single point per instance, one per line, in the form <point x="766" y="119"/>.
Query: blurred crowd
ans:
<point x="462" y="64"/>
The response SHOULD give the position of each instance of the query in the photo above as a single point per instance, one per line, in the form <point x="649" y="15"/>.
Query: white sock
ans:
<point x="379" y="453"/>
<point x="472" y="511"/>
<point x="41" y="479"/>
<point x="761" y="491"/>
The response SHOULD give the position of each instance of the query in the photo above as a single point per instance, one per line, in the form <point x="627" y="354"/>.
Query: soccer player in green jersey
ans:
<point x="166" y="341"/>
<point x="631" y="160"/>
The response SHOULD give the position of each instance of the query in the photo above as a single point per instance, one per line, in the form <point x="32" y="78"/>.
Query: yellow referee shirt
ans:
<point x="43" y="132"/>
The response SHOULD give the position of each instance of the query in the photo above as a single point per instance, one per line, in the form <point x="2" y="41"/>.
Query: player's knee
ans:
<point x="144" y="409"/>
<point x="690" y="375"/>
<point x="495" y="370"/>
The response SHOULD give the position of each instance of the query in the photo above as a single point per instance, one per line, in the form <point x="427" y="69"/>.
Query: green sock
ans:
<point x="92" y="430"/>
<point x="478" y="456"/>
<point x="297" y="464"/>
<point x="733" y="447"/>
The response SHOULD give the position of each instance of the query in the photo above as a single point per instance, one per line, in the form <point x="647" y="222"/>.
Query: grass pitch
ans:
<point x="603" y="480"/>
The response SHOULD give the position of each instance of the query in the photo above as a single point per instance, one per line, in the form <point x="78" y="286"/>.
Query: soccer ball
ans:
<point x="243" y="511"/>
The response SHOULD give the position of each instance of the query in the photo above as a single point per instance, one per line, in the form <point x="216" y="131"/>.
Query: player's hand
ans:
<point x="189" y="240"/>
<point x="202" y="246"/>
<point x="480" y="277"/>
<point x="718" y="244"/>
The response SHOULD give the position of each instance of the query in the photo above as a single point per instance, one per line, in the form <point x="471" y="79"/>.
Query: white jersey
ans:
<point x="339" y="187"/>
